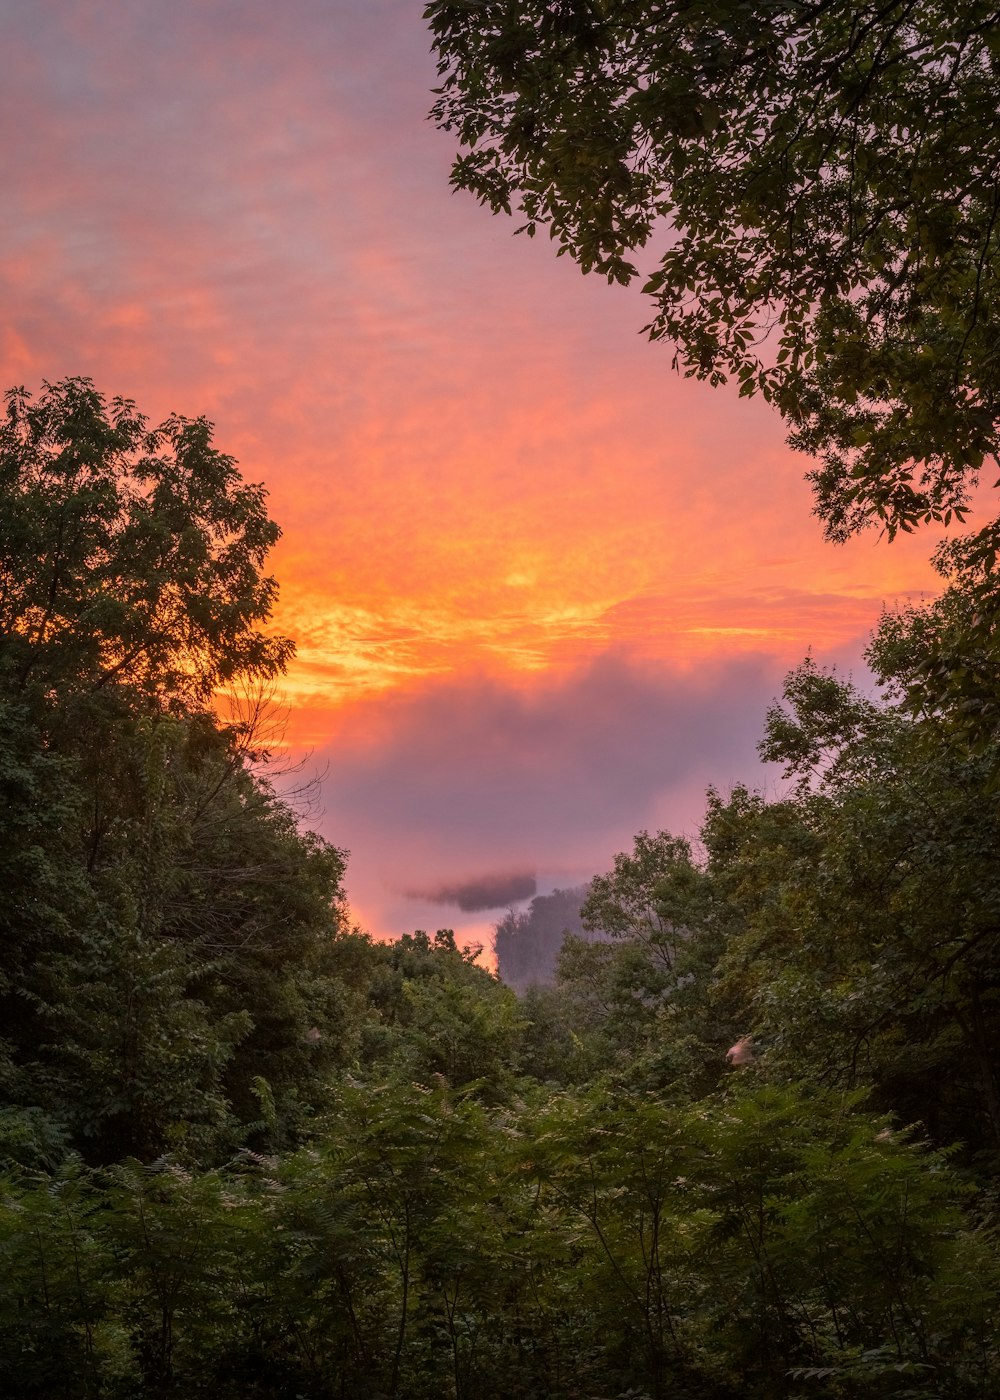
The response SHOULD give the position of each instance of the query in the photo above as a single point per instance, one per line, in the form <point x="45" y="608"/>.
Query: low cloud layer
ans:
<point x="430" y="787"/>
<point x="482" y="893"/>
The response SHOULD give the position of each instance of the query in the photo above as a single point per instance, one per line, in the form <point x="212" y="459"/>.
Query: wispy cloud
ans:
<point x="480" y="893"/>
<point x="542" y="588"/>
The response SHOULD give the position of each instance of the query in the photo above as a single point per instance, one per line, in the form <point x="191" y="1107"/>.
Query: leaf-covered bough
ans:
<point x="809" y="194"/>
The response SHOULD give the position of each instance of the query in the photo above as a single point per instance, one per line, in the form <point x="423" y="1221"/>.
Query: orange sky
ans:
<point x="542" y="589"/>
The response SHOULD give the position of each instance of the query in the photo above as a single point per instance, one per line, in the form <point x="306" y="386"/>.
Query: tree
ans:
<point x="200" y="970"/>
<point x="942" y="659"/>
<point x="861" y="908"/>
<point x="646" y="896"/>
<point x="822" y="179"/>
<point x="128" y="554"/>
<point x="434" y="1012"/>
<point x="527" y="941"/>
<point x="164" y="907"/>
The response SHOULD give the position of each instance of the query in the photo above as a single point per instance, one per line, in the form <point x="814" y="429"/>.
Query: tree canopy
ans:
<point x="249" y="1152"/>
<point x="128" y="553"/>
<point x="819" y="183"/>
<point x="162" y="907"/>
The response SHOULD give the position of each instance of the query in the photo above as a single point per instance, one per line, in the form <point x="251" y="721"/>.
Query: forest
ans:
<point x="743" y="1143"/>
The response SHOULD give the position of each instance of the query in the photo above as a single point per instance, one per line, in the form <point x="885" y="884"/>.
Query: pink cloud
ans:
<point x="457" y="778"/>
<point x="542" y="586"/>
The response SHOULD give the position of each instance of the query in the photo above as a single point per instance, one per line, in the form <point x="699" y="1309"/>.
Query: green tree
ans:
<point x="647" y="896"/>
<point x="434" y="1012"/>
<point x="756" y="1238"/>
<point x="165" y="908"/>
<point x="942" y="659"/>
<point x="128" y="554"/>
<point x="822" y="182"/>
<point x="861" y="909"/>
<point x="635" y="1003"/>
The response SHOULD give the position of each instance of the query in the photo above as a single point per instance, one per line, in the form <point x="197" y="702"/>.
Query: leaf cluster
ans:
<point x="819" y="183"/>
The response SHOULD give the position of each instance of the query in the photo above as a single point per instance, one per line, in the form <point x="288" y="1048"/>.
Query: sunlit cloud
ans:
<point x="528" y="570"/>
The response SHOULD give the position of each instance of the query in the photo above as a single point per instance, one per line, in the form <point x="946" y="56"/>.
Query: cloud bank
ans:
<point x="431" y="786"/>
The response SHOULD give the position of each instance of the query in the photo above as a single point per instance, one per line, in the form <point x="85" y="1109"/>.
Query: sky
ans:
<point x="543" y="589"/>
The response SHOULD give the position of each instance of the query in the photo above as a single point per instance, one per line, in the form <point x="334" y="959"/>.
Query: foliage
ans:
<point x="436" y="1013"/>
<point x="249" y="1152"/>
<point x="863" y="908"/>
<point x="581" y="1245"/>
<point x="823" y="180"/>
<point x="164" y="906"/>
<point x="128" y="554"/>
<point x="819" y="183"/>
<point x="943" y="658"/>
<point x="635" y="1004"/>
<point x="527" y="941"/>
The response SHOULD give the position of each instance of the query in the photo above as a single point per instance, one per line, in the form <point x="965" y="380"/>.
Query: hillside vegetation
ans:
<point x="745" y="1146"/>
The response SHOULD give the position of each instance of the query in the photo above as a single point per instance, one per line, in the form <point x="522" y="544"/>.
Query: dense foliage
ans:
<point x="822" y="182"/>
<point x="818" y="189"/>
<point x="745" y="1145"/>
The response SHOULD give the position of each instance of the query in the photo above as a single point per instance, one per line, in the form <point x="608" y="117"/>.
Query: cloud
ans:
<point x="432" y="785"/>
<point x="577" y="578"/>
<point x="482" y="893"/>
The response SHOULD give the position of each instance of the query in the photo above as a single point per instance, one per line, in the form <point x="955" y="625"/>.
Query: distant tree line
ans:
<point x="527" y="941"/>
